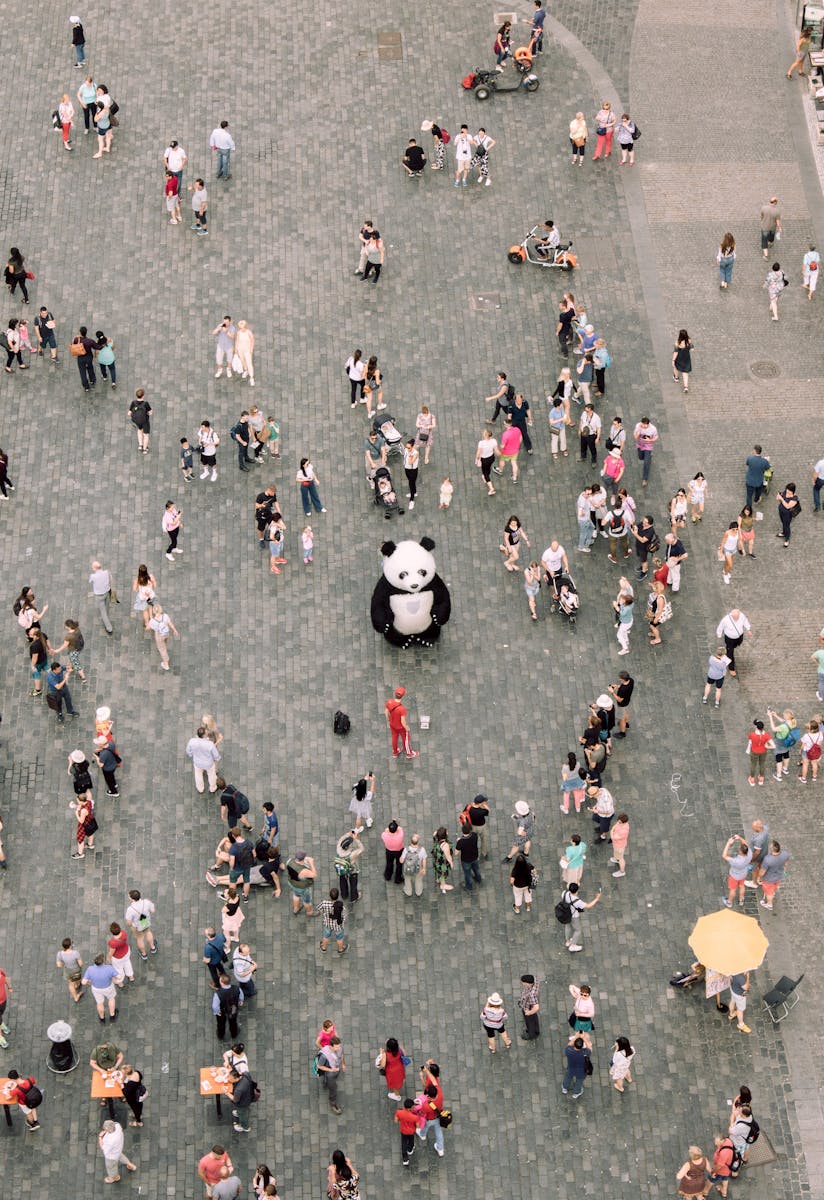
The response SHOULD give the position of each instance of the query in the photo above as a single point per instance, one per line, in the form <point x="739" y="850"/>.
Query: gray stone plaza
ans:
<point x="321" y="104"/>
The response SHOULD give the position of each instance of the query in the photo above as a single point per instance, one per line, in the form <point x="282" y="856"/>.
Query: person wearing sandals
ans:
<point x="682" y="359"/>
<point x="692" y="1177"/>
<point x="532" y="585"/>
<point x="143" y="586"/>
<point x="520" y="880"/>
<point x="493" y="1019"/>
<point x="69" y="960"/>
<point x="583" y="1013"/>
<point x="620" y="1070"/>
<point x="134" y="1093"/>
<point x="442" y="861"/>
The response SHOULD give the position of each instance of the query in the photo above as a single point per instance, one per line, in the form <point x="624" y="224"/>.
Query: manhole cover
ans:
<point x="485" y="302"/>
<point x="765" y="369"/>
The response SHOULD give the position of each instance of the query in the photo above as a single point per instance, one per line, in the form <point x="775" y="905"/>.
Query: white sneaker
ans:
<point x="618" y="874"/>
<point x="214" y="476"/>
<point x="488" y="181"/>
<point x="439" y="1152"/>
<point x="228" y="373"/>
<point x="251" y="383"/>
<point x="392" y="1096"/>
<point x="218" y="373"/>
<point x="244" y="374"/>
<point x="749" y="884"/>
<point x="574" y="949"/>
<point x="177" y="551"/>
<point x="203" y="474"/>
<point x="170" y="557"/>
<point x="164" y="666"/>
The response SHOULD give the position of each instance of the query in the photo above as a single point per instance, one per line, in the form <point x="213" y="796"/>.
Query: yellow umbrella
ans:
<point x="728" y="942"/>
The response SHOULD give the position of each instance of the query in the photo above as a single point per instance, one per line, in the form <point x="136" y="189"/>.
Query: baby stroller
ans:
<point x="565" y="599"/>
<point x="388" y="430"/>
<point x="385" y="496"/>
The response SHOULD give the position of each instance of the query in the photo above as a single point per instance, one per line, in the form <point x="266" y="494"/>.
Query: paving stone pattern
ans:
<point x="318" y="150"/>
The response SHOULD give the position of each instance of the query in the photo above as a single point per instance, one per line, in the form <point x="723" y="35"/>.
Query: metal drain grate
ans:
<point x="484" y="301"/>
<point x="765" y="369"/>
<point x="390" y="46"/>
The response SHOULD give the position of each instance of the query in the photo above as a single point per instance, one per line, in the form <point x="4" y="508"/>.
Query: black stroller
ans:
<point x="565" y="598"/>
<point x="393" y="438"/>
<point x="385" y="495"/>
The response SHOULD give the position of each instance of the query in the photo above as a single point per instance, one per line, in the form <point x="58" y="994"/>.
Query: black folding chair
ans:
<point x="782" y="998"/>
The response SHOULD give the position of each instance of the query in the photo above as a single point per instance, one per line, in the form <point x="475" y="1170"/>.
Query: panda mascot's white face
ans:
<point x="410" y="568"/>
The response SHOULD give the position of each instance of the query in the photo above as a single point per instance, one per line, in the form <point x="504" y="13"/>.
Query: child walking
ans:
<point x="276" y="544"/>
<point x="445" y="493"/>
<point x="187" y="458"/>
<point x="307" y="541"/>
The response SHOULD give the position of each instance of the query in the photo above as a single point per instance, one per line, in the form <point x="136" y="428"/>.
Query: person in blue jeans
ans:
<point x="646" y="435"/>
<point x="818" y="484"/>
<point x="576" y="1055"/>
<point x="757" y="464"/>
<point x="307" y="480"/>
<point x="467" y="847"/>
<point x="431" y="1111"/>
<point x="57" y="691"/>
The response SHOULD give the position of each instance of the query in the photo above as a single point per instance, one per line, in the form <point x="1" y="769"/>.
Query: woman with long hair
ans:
<point x="726" y="260"/>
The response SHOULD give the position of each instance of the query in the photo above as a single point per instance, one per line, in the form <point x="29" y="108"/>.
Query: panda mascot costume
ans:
<point x="410" y="603"/>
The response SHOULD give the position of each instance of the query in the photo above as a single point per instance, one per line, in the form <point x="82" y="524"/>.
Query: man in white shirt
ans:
<point x="463" y="156"/>
<point x="586" y="530"/>
<point x="818" y="484"/>
<point x="554" y="560"/>
<point x="589" y="431"/>
<point x="221" y="141"/>
<point x="174" y="158"/>
<point x="205" y="757"/>
<point x="101" y="584"/>
<point x="732" y="628"/>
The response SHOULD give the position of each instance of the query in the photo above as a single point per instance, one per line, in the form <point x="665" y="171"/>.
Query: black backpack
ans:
<point x="241" y="801"/>
<point x="341" y="724"/>
<point x="234" y="431"/>
<point x="755" y="1132"/>
<point x="34" y="1097"/>
<point x="563" y="912"/>
<point x="245" y="859"/>
<point x="510" y="390"/>
<point x="255" y="1090"/>
<point x="262" y="850"/>
<point x="79" y="642"/>
<point x="654" y="542"/>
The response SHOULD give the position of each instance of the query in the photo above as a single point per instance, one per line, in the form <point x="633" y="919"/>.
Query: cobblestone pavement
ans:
<point x="318" y="150"/>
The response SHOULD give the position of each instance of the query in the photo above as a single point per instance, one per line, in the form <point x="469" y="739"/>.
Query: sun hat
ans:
<point x="495" y="1000"/>
<point x="521" y="808"/>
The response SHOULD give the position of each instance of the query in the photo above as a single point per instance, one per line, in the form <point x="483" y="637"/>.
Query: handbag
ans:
<point x="77" y="349"/>
<point x="636" y="134"/>
<point x="30" y="275"/>
<point x="91" y="826"/>
<point x="237" y="365"/>
<point x="563" y="862"/>
<point x="588" y="1067"/>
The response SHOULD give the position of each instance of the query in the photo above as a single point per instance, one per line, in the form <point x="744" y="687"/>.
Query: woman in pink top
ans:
<point x="620" y="836"/>
<point x="392" y="838"/>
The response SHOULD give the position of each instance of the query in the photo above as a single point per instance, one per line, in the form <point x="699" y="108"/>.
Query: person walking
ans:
<point x="110" y="1140"/>
<point x="355" y="368"/>
<point x="773" y="873"/>
<point x="82" y="348"/>
<point x="730" y="546"/>
<point x="726" y="260"/>
<point x="733" y="627"/>
<point x="245" y="349"/>
<point x="103" y="592"/>
<point x="71" y="964"/>
<point x="802" y="49"/>
<point x="529" y="1004"/>
<point x="161" y="625"/>
<point x="775" y="283"/>
<point x="200" y="205"/>
<point x="226" y="1003"/>
<point x="770" y="220"/>
<point x="493" y="1019"/>
<point x="578" y="138"/>
<point x="468" y="850"/>
<point x="716" y="673"/>
<point x="810" y="269"/>
<point x="105" y="357"/>
<point x="789" y="506"/>
<point x="407" y="1121"/>
<point x="172" y="523"/>
<point x="57" y="691"/>
<point x="574" y="935"/>
<point x="375" y="256"/>
<point x="100" y="977"/>
<point x="139" y="919"/>
<point x="390" y="1063"/>
<point x="485" y="459"/>
<point x="682" y="358"/>
<point x="301" y="873"/>
<point x="331" y="1063"/>
<point x="646" y="435"/>
<point x="577" y="1057"/>
<point x="171" y="197"/>
<point x="511" y="441"/>
<point x="120" y="955"/>
<point x="108" y="760"/>
<point x="205" y="756"/>
<point x="222" y="142"/>
<point x="140" y="412"/>
<point x="520" y="880"/>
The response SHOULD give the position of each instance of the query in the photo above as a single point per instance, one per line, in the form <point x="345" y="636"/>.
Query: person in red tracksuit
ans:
<point x="398" y="725"/>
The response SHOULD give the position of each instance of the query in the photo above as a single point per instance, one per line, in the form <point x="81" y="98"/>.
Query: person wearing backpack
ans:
<point x="570" y="906"/>
<point x="226" y="1004"/>
<point x="234" y="805"/>
<point x="242" y="1097"/>
<point x="347" y="852"/>
<point x="725" y="1163"/>
<point x="811" y="744"/>
<point x="28" y="1097"/>
<point x="241" y="859"/>
<point x="786" y="736"/>
<point x="413" y="864"/>
<point x="503" y="395"/>
<point x="744" y="1131"/>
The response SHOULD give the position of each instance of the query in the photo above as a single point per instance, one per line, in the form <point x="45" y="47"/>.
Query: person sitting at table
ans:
<point x="105" y="1057"/>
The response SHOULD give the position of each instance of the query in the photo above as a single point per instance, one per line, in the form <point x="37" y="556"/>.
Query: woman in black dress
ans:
<point x="134" y="1093"/>
<point x="682" y="359"/>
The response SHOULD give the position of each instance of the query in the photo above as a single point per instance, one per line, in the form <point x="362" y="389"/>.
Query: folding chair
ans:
<point x="777" y="1001"/>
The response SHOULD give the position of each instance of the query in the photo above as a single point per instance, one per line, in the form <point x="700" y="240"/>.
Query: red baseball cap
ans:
<point x="400" y="692"/>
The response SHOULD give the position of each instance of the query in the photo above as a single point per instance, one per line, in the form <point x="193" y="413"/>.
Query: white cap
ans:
<point x="77" y="756"/>
<point x="103" y="714"/>
<point x="521" y="808"/>
<point x="426" y="126"/>
<point x="604" y="701"/>
<point x="74" y="20"/>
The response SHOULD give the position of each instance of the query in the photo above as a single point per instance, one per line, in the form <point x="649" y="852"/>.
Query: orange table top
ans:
<point x="7" y="1086"/>
<point x="214" y="1081"/>
<point x="109" y="1084"/>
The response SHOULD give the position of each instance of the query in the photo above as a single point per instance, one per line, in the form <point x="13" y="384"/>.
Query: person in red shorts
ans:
<point x="396" y="714"/>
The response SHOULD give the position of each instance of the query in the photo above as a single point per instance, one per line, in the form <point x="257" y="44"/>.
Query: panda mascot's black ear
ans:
<point x="427" y="543"/>
<point x="388" y="548"/>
